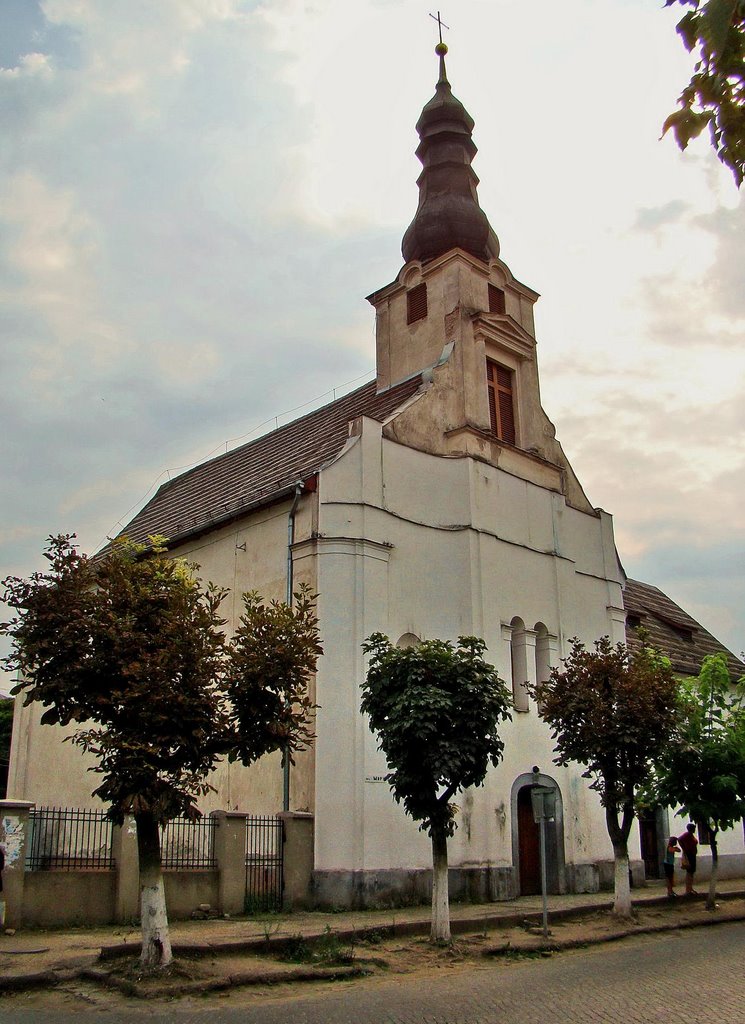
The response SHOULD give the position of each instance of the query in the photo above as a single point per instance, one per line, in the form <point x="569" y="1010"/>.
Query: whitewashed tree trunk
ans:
<point x="156" y="940"/>
<point x="440" y="903"/>
<point x="619" y="836"/>
<point x="711" y="897"/>
<point x="622" y="889"/>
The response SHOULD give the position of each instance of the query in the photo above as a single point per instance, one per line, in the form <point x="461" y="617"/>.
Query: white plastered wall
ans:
<point x="250" y="554"/>
<point x="438" y="547"/>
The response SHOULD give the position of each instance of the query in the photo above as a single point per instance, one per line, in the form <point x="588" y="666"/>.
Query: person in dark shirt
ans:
<point x="689" y="845"/>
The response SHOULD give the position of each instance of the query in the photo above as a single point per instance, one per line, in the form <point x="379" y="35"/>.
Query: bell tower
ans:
<point x="458" y="316"/>
<point x="448" y="215"/>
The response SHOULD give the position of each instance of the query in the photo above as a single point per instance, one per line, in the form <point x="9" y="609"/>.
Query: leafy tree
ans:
<point x="703" y="772"/>
<point x="613" y="711"/>
<point x="129" y="647"/>
<point x="715" y="96"/>
<point x="436" y="710"/>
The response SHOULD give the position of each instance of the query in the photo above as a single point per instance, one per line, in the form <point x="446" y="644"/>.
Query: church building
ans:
<point x="435" y="501"/>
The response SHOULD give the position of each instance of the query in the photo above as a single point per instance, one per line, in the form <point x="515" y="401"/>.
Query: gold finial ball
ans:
<point x="441" y="49"/>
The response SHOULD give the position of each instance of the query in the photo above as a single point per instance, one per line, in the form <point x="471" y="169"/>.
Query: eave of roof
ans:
<point x="685" y="641"/>
<point x="263" y="471"/>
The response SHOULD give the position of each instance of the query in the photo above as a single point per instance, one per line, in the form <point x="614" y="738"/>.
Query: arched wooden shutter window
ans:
<point x="416" y="303"/>
<point x="496" y="299"/>
<point x="501" y="401"/>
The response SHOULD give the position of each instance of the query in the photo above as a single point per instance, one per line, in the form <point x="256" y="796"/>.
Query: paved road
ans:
<point x="672" y="978"/>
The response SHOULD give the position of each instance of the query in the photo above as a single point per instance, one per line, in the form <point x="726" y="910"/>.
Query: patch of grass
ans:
<point x="514" y="953"/>
<point x="374" y="936"/>
<point x="328" y="950"/>
<point x="256" y="906"/>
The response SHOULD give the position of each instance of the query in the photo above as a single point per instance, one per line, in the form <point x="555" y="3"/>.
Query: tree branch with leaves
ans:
<point x="715" y="96"/>
<point x="436" y="710"/>
<point x="130" y="648"/>
<point x="703" y="772"/>
<point x="613" y="711"/>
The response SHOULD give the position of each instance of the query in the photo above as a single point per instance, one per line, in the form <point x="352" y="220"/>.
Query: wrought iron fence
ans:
<point x="188" y="845"/>
<point x="64" y="839"/>
<point x="264" y="844"/>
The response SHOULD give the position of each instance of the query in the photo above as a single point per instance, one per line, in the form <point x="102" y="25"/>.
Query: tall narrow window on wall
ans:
<point x="416" y="303"/>
<point x="519" y="666"/>
<point x="542" y="655"/>
<point x="496" y="299"/>
<point x="501" y="401"/>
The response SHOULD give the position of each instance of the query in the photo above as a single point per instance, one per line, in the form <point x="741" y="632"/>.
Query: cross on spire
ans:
<point x="440" y="24"/>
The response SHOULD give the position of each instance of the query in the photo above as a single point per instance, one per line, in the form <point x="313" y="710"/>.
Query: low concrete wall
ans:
<point x="185" y="890"/>
<point x="731" y="865"/>
<point x="381" y="890"/>
<point x="56" y="898"/>
<point x="607" y="874"/>
<point x="582" y="878"/>
<point x="53" y="899"/>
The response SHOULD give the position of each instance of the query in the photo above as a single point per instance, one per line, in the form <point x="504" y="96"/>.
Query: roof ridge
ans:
<point x="212" y="460"/>
<point x="226" y="485"/>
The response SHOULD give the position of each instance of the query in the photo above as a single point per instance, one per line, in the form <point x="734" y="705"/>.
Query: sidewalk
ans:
<point x="248" y="950"/>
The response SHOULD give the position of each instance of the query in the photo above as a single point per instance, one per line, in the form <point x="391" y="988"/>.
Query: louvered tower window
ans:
<point x="416" y="303"/>
<point x="501" y="401"/>
<point x="496" y="299"/>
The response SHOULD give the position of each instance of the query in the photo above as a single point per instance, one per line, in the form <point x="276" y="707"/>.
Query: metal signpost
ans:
<point x="543" y="799"/>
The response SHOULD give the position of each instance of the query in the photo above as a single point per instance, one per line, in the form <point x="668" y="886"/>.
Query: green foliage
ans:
<point x="273" y="653"/>
<point x="715" y="96"/>
<point x="703" y="772"/>
<point x="326" y="950"/>
<point x="132" y="643"/>
<point x="613" y="711"/>
<point x="436" y="709"/>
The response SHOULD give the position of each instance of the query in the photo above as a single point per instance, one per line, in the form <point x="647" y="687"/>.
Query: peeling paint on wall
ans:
<point x="500" y="812"/>
<point x="467" y="814"/>
<point x="13" y="842"/>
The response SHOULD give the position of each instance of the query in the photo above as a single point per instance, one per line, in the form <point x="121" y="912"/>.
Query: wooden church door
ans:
<point x="528" y="836"/>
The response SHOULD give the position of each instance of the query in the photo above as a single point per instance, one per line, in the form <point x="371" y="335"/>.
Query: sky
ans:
<point x="196" y="196"/>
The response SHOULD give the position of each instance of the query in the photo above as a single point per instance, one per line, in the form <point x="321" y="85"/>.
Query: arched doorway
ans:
<point x="526" y="855"/>
<point x="529" y="845"/>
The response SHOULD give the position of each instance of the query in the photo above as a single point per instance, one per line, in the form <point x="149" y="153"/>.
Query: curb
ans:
<point x="23" y="982"/>
<point x="458" y="926"/>
<point x="241" y="979"/>
<point x="51" y="978"/>
<point x="560" y="945"/>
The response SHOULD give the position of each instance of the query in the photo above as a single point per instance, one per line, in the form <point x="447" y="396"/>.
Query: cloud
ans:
<point x="703" y="576"/>
<point x="198" y="194"/>
<point x="31" y="64"/>
<point x="652" y="217"/>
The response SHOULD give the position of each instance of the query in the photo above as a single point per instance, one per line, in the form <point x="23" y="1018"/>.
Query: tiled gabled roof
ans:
<point x="261" y="471"/>
<point x="672" y="630"/>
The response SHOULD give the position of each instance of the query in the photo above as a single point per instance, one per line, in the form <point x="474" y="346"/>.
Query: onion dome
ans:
<point x="448" y="215"/>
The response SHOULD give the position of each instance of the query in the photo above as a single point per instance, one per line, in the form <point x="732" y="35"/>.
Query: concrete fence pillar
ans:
<point x="298" y="859"/>
<point x="230" y="856"/>
<point x="127" y="866"/>
<point x="14" y="838"/>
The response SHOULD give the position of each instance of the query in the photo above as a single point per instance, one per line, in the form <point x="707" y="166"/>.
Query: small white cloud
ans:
<point x="31" y="65"/>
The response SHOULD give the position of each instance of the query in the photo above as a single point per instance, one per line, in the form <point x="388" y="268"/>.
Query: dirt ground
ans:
<point x="281" y="970"/>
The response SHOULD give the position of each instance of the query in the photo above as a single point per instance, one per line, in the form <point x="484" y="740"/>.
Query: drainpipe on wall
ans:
<point x="288" y="599"/>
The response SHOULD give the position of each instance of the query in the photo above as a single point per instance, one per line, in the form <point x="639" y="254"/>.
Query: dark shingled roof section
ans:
<point x="261" y="471"/>
<point x="672" y="630"/>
